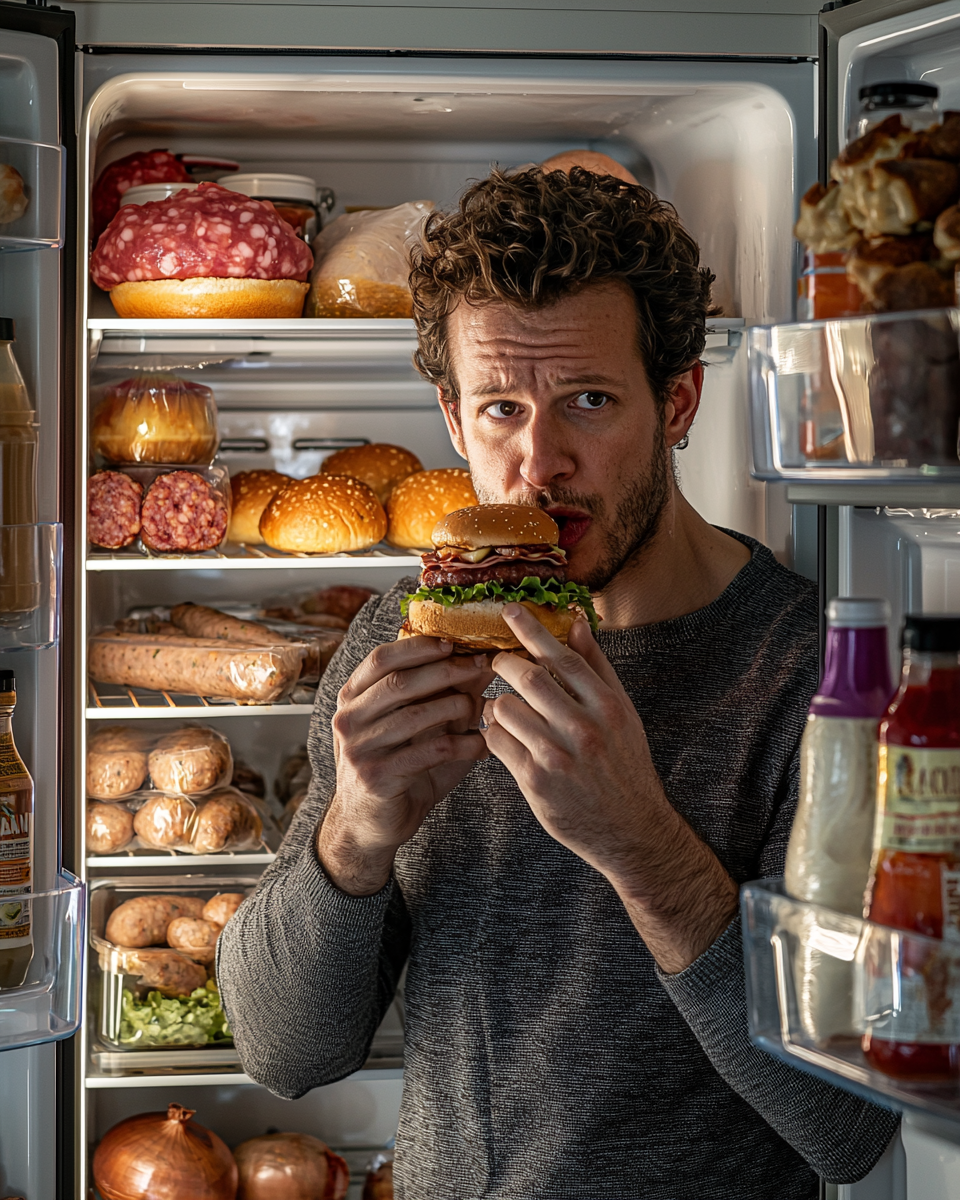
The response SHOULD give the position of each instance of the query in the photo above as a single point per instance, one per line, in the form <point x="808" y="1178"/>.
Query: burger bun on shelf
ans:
<point x="379" y="465"/>
<point x="252" y="492"/>
<point x="589" y="160"/>
<point x="418" y="502"/>
<point x="209" y="297"/>
<point x="324" y="514"/>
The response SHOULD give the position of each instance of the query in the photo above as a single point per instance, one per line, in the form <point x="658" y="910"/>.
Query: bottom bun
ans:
<point x="209" y="297"/>
<point x="479" y="625"/>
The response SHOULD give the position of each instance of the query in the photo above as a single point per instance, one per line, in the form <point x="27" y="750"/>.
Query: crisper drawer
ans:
<point x="858" y="400"/>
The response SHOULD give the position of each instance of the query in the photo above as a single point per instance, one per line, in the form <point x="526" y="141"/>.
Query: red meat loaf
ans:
<point x="113" y="509"/>
<point x="209" y="233"/>
<point x="182" y="511"/>
<point x="145" y="166"/>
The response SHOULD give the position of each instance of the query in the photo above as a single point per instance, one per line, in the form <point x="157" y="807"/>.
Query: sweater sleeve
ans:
<point x="839" y="1135"/>
<point x="306" y="971"/>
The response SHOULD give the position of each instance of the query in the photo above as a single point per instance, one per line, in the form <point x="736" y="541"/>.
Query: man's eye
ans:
<point x="591" y="400"/>
<point x="502" y="409"/>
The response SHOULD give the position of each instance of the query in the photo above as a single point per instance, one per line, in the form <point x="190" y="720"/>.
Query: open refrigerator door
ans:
<point x="42" y="907"/>
<point x="857" y="413"/>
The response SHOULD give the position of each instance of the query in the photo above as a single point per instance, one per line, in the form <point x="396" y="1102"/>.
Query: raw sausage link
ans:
<point x="196" y="620"/>
<point x="182" y="511"/>
<point x="212" y="232"/>
<point x="113" y="509"/>
<point x="195" y="666"/>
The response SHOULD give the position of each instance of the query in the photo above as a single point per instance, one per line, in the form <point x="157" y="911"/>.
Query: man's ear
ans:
<point x="450" y="408"/>
<point x="682" y="404"/>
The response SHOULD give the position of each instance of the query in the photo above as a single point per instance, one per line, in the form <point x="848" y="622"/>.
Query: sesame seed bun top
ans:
<point x="496" y="525"/>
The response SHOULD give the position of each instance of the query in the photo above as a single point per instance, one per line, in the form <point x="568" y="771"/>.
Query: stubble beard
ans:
<point x="636" y="515"/>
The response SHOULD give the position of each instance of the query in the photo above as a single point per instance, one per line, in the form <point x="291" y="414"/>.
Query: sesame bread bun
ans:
<point x="479" y="625"/>
<point x="421" y="500"/>
<point x="495" y="525"/>
<point x="379" y="465"/>
<point x="209" y="297"/>
<point x="252" y="492"/>
<point x="590" y="160"/>
<point x="325" y="514"/>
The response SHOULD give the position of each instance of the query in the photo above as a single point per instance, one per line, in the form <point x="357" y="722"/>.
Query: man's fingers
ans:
<point x="567" y="666"/>
<point x="582" y="640"/>
<point x="363" y="735"/>
<point x="394" y="656"/>
<point x="501" y="743"/>
<point x="413" y="760"/>
<point x="522" y="722"/>
<point x="397" y="689"/>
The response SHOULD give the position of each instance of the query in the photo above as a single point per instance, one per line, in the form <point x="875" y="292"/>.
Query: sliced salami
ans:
<point x="113" y="509"/>
<point x="144" y="166"/>
<point x="210" y="233"/>
<point x="183" y="511"/>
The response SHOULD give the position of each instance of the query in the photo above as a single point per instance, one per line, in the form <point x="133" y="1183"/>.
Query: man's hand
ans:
<point x="578" y="750"/>
<point x="404" y="735"/>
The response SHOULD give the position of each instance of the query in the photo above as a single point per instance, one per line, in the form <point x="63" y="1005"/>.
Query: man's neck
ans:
<point x="685" y="566"/>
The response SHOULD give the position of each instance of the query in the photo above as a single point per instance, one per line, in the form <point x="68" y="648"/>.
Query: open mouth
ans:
<point x="573" y="524"/>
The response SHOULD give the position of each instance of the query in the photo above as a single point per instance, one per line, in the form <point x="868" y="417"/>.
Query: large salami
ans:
<point x="207" y="233"/>
<point x="182" y="511"/>
<point x="113" y="509"/>
<point x="145" y="166"/>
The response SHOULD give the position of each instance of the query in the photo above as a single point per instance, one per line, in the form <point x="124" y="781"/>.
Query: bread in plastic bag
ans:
<point x="109" y="827"/>
<point x="116" y="762"/>
<point x="222" y="820"/>
<point x="155" y="417"/>
<point x="192" y="759"/>
<point x="363" y="263"/>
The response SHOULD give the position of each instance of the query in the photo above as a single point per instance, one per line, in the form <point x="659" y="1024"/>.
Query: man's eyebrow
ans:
<point x="503" y="388"/>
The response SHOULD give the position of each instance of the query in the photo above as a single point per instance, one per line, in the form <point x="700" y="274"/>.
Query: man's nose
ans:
<point x="546" y="455"/>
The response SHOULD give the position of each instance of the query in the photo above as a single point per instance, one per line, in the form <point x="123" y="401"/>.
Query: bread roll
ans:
<point x="589" y="160"/>
<point x="824" y="226"/>
<point x="13" y="197"/>
<point x="421" y="500"/>
<point x="156" y="419"/>
<point x="479" y="624"/>
<point x="379" y="465"/>
<point x="210" y="298"/>
<point x="116" y="762"/>
<point x="252" y="492"/>
<point x="325" y="514"/>
<point x="109" y="828"/>
<point x="190" y="760"/>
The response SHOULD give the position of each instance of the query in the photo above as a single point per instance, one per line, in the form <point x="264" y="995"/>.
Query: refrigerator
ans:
<point x="731" y="137"/>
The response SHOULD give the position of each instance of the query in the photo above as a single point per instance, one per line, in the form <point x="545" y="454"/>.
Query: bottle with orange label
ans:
<point x="16" y="846"/>
<point x="915" y="874"/>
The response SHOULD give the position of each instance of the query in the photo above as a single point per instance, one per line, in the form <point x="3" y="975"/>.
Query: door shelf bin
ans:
<point x="45" y="1006"/>
<point x="40" y="167"/>
<point x="857" y="400"/>
<point x="30" y="567"/>
<point x="818" y="980"/>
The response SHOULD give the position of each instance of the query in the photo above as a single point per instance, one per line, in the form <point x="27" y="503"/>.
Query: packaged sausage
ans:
<point x="155" y="418"/>
<point x="157" y="987"/>
<point x="363" y="263"/>
<point x="192" y="759"/>
<point x="196" y="666"/>
<point x="116" y="762"/>
<point x="225" y="819"/>
<point x="183" y="511"/>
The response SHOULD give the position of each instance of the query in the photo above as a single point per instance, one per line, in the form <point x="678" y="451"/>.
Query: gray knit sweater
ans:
<point x="546" y="1054"/>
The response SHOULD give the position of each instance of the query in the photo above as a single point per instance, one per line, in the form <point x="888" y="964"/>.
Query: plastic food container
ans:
<point x="143" y="996"/>
<point x="295" y="197"/>
<point x="145" y="192"/>
<point x="196" y="666"/>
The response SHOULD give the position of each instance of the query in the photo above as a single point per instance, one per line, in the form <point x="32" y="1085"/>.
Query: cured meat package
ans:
<point x="170" y="511"/>
<point x="189" y="758"/>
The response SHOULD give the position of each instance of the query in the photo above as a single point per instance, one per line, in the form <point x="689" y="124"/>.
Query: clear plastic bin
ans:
<point x="30" y="567"/>
<point x="818" y="980"/>
<point x="45" y="1006"/>
<point x="40" y="167"/>
<point x="131" y="1012"/>
<point x="857" y="399"/>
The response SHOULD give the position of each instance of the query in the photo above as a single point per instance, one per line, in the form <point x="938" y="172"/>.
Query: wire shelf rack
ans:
<point x="108" y="700"/>
<point x="238" y="555"/>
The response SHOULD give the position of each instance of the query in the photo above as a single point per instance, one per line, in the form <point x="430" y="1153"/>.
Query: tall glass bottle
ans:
<point x="915" y="878"/>
<point x="19" y="561"/>
<point x="16" y="846"/>
<point x="828" y="857"/>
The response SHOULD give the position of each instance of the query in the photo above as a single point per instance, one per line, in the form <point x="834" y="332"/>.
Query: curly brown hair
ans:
<point x="529" y="238"/>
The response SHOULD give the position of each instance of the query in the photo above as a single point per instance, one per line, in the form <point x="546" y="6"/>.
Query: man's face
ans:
<point x="555" y="410"/>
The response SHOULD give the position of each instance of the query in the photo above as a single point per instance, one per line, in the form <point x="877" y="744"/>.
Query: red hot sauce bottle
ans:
<point x="915" y="876"/>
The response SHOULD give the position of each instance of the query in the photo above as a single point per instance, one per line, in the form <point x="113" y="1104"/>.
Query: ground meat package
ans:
<point x="172" y="511"/>
<point x="363" y="263"/>
<point x="223" y="820"/>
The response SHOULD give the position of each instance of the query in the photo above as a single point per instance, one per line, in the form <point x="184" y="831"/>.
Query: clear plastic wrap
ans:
<point x="221" y="821"/>
<point x="196" y="666"/>
<point x="192" y="759"/>
<point x="378" y="1184"/>
<point x="162" y="996"/>
<point x="178" y="511"/>
<point x="155" y="417"/>
<point x="363" y="263"/>
<point x="116" y="762"/>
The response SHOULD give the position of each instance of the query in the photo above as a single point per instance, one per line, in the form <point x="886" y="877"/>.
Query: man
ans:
<point x="554" y="848"/>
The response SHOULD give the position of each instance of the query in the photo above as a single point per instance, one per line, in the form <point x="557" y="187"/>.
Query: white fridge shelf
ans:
<point x="145" y="859"/>
<point x="238" y="557"/>
<point x="107" y="701"/>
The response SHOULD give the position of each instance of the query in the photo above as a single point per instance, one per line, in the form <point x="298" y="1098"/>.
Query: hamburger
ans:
<point x="483" y="558"/>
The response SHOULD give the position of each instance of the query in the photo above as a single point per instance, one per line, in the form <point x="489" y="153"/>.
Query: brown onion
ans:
<point x="290" y="1166"/>
<point x="164" y="1156"/>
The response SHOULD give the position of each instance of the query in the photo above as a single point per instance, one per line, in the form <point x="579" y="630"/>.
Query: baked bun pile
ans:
<point x="380" y="466"/>
<point x="252" y="492"/>
<point x="484" y="557"/>
<point x="209" y="253"/>
<point x="325" y="514"/>
<point x="421" y="500"/>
